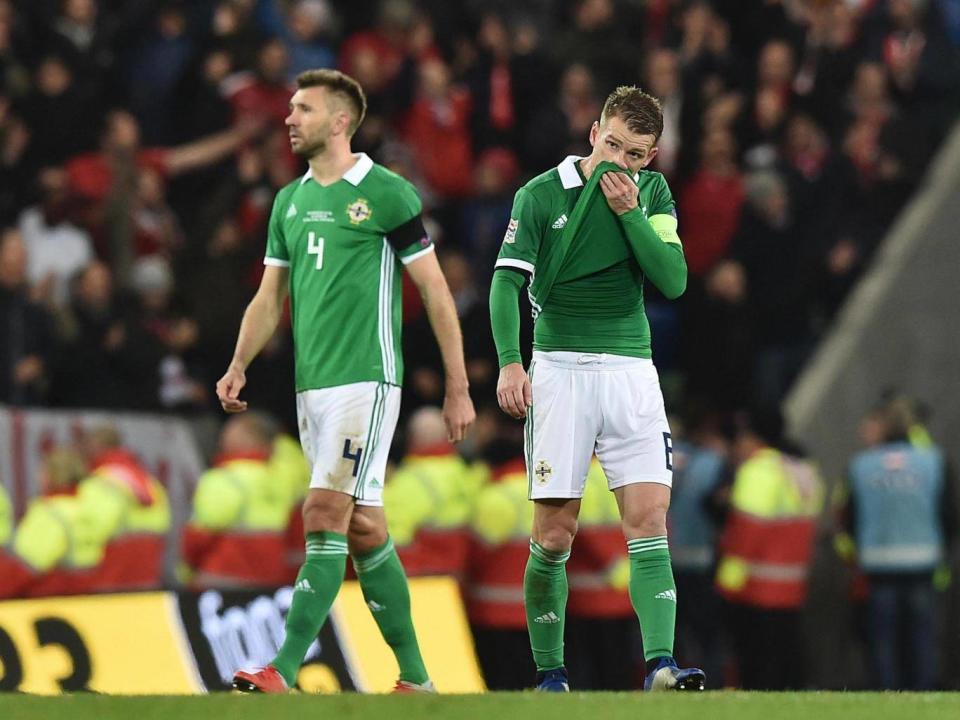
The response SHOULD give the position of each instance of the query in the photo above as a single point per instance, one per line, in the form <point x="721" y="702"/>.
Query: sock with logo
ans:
<point x="316" y="588"/>
<point x="545" y="598"/>
<point x="385" y="590"/>
<point x="653" y="593"/>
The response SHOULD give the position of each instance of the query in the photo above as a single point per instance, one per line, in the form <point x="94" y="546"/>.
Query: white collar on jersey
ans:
<point x="354" y="175"/>
<point x="569" y="177"/>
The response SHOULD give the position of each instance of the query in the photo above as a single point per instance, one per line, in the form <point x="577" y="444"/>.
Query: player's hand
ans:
<point x="458" y="414"/>
<point x="228" y="390"/>
<point x="513" y="390"/>
<point x="621" y="192"/>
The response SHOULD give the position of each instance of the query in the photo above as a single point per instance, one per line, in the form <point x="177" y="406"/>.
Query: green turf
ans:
<point x="494" y="706"/>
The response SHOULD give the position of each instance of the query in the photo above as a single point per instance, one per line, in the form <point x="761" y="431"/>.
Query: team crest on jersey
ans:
<point x="510" y="236"/>
<point x="358" y="211"/>
<point x="542" y="472"/>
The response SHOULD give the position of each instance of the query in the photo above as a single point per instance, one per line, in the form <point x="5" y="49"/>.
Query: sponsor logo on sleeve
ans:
<point x="510" y="236"/>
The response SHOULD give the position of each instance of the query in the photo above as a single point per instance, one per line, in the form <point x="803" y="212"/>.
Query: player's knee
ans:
<point x="319" y="515"/>
<point x="557" y="537"/>
<point x="649" y="521"/>
<point x="365" y="534"/>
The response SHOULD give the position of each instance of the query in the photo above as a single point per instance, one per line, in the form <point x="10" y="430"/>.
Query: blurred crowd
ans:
<point x="141" y="145"/>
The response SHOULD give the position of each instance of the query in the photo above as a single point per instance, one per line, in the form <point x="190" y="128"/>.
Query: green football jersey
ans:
<point x="344" y="244"/>
<point x="596" y="301"/>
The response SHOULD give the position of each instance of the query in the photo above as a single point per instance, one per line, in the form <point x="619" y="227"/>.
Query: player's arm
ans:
<point x="515" y="264"/>
<point x="514" y="394"/>
<point x="260" y="321"/>
<point x="458" y="409"/>
<point x="654" y="242"/>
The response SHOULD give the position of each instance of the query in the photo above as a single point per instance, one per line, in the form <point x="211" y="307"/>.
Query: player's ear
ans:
<point x="594" y="132"/>
<point x="650" y="156"/>
<point x="341" y="122"/>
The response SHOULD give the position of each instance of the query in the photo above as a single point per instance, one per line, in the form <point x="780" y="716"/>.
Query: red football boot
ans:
<point x="267" y="680"/>
<point x="405" y="686"/>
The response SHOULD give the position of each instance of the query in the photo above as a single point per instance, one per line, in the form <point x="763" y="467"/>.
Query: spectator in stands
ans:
<point x="712" y="201"/>
<point x="56" y="248"/>
<point x="902" y="515"/>
<point x="232" y="29"/>
<point x="24" y="328"/>
<point x="104" y="359"/>
<point x="105" y="179"/>
<point x="236" y="536"/>
<point x="663" y="81"/>
<point x="437" y="128"/>
<point x="14" y="161"/>
<point x="598" y="38"/>
<point x="495" y="108"/>
<point x="559" y="127"/>
<point x="778" y="269"/>
<point x="156" y="66"/>
<point x="486" y="214"/>
<point x="304" y="28"/>
<point x="171" y="329"/>
<point x="57" y="94"/>
<point x="769" y="105"/>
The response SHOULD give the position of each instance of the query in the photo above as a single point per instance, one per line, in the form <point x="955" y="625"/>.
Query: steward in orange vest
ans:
<point x="428" y="500"/>
<point x="133" y="512"/>
<point x="766" y="553"/>
<point x="236" y="537"/>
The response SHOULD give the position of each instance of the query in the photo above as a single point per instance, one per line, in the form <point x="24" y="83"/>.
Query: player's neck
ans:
<point x="586" y="166"/>
<point x="330" y="165"/>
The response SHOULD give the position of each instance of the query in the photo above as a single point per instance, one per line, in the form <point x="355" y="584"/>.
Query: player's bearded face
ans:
<point x="615" y="142"/>
<point x="310" y="141"/>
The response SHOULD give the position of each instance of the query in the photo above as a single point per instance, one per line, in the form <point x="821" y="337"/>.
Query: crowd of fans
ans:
<point x="141" y="144"/>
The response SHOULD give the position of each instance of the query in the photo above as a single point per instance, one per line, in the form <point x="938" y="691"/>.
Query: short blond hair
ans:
<point x="342" y="85"/>
<point x="641" y="111"/>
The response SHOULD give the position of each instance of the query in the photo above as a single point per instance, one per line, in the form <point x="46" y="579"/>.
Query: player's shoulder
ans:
<point x="289" y="189"/>
<point x="652" y="178"/>
<point x="382" y="179"/>
<point x="543" y="184"/>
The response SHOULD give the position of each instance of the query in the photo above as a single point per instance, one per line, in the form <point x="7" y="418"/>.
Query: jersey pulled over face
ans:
<point x="596" y="302"/>
<point x="344" y="244"/>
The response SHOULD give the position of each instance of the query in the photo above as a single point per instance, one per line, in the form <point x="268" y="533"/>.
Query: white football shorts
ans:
<point x="345" y="432"/>
<point x="586" y="403"/>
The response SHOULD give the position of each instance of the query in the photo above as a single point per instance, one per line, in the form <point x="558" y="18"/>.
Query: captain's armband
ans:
<point x="666" y="228"/>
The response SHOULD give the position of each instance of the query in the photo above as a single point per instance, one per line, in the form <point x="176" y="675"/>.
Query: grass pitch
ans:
<point x="723" y="705"/>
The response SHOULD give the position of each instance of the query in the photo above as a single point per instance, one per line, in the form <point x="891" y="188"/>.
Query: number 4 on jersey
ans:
<point x="315" y="247"/>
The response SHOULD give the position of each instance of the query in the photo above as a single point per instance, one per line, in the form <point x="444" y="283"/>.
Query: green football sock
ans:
<point x="316" y="588"/>
<point x="653" y="593"/>
<point x="545" y="598"/>
<point x="385" y="590"/>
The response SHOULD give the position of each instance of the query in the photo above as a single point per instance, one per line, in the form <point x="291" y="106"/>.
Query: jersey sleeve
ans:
<point x="403" y="223"/>
<point x="521" y="242"/>
<point x="276" y="242"/>
<point x="662" y="199"/>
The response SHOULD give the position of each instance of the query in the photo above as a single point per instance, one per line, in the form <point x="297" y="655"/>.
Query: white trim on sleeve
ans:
<point x="276" y="262"/>
<point x="519" y="264"/>
<point x="420" y="253"/>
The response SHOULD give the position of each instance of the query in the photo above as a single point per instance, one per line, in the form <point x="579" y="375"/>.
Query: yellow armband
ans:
<point x="666" y="228"/>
